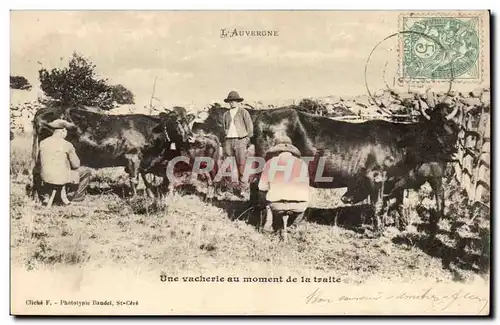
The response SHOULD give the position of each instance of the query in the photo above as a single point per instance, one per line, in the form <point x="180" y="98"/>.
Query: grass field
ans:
<point x="184" y="234"/>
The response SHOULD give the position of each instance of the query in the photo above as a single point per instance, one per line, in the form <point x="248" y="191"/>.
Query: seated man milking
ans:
<point x="60" y="166"/>
<point x="285" y="178"/>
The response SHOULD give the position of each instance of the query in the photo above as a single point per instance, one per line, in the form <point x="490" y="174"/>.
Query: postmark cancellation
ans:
<point x="435" y="47"/>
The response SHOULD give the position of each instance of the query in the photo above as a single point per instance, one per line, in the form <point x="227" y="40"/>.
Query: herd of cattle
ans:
<point x="376" y="159"/>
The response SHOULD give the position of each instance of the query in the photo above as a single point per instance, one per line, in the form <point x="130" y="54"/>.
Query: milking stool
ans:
<point x="54" y="190"/>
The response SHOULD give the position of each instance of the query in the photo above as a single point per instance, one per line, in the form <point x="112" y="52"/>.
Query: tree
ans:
<point x="311" y="106"/>
<point x="79" y="84"/>
<point x="19" y="82"/>
<point x="122" y="95"/>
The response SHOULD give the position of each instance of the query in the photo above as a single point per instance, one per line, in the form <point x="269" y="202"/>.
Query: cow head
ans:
<point x="442" y="126"/>
<point x="176" y="128"/>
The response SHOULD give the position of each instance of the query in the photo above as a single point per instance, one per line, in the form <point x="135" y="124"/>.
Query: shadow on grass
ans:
<point x="348" y="217"/>
<point x="235" y="210"/>
<point x="124" y="191"/>
<point x="453" y="255"/>
<point x="121" y="190"/>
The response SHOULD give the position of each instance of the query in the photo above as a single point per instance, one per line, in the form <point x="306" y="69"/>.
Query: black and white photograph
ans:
<point x="250" y="162"/>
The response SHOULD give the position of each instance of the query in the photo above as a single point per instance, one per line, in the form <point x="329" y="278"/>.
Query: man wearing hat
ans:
<point x="238" y="128"/>
<point x="284" y="184"/>
<point x="59" y="163"/>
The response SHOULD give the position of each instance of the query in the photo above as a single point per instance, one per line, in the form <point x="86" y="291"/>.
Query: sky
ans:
<point x="314" y="54"/>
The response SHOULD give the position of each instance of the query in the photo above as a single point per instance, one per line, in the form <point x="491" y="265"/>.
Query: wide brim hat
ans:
<point x="61" y="124"/>
<point x="233" y="96"/>
<point x="284" y="144"/>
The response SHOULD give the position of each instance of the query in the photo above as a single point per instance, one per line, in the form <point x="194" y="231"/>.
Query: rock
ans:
<point x="378" y="93"/>
<point x="386" y="101"/>
<point x="471" y="102"/>
<point x="406" y="96"/>
<point x="396" y="108"/>
<point x="431" y="99"/>
<point x="333" y="99"/>
<point x="363" y="100"/>
<point x="371" y="110"/>
<point x="350" y="104"/>
<point x="394" y="93"/>
<point x="476" y="93"/>
<point x="486" y="98"/>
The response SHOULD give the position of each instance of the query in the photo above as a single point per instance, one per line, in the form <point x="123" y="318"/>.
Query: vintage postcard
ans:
<point x="250" y="162"/>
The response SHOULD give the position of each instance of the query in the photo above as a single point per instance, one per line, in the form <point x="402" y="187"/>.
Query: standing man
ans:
<point x="238" y="129"/>
<point x="60" y="164"/>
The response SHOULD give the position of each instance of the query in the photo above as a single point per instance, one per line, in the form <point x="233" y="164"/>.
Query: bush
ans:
<point x="79" y="84"/>
<point x="313" y="107"/>
<point x="19" y="82"/>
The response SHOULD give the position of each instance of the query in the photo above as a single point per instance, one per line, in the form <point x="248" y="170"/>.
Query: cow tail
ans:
<point x="35" y="168"/>
<point x="217" y="159"/>
<point x="35" y="147"/>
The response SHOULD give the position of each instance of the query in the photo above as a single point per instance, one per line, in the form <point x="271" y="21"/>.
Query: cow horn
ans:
<point x="453" y="113"/>
<point x="422" y="111"/>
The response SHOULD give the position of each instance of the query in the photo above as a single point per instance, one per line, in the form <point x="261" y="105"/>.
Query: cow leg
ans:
<point x="36" y="190"/>
<point x="210" y="187"/>
<point x="284" y="229"/>
<point x="401" y="219"/>
<point x="164" y="186"/>
<point x="133" y="172"/>
<point x="437" y="188"/>
<point x="377" y="211"/>
<point x="377" y="200"/>
<point x="212" y="191"/>
<point x="149" y="187"/>
<point x="133" y="185"/>
<point x="256" y="212"/>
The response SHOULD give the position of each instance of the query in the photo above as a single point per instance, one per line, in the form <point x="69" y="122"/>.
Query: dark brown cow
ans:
<point x="203" y="145"/>
<point x="367" y="155"/>
<point x="112" y="141"/>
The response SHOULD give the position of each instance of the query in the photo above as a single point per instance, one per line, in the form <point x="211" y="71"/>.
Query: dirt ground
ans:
<point x="185" y="234"/>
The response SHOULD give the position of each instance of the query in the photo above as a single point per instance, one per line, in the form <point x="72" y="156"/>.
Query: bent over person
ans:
<point x="60" y="165"/>
<point x="284" y="185"/>
<point x="238" y="129"/>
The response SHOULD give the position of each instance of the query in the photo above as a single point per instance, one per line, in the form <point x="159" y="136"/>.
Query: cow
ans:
<point x="212" y="124"/>
<point x="202" y="145"/>
<point x="375" y="156"/>
<point x="102" y="140"/>
<point x="431" y="172"/>
<point x="181" y="111"/>
<point x="206" y="143"/>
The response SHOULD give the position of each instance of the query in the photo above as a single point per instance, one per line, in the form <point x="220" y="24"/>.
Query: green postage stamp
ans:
<point x="440" y="48"/>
